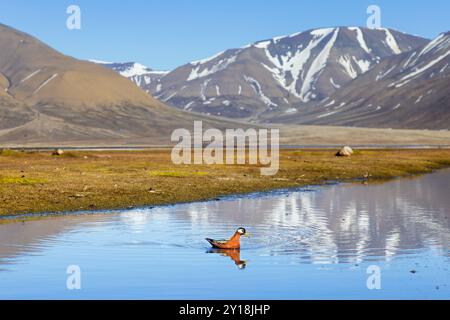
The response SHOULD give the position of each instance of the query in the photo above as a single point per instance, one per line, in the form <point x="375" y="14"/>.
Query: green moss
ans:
<point x="23" y="181"/>
<point x="115" y="180"/>
<point x="9" y="153"/>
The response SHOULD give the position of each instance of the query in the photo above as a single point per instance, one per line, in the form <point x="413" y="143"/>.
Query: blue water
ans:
<point x="311" y="244"/>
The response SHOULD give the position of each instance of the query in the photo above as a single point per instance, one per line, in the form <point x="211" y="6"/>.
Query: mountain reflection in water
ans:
<point x="398" y="224"/>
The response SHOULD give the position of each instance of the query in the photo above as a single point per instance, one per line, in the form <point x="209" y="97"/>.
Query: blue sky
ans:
<point x="169" y="33"/>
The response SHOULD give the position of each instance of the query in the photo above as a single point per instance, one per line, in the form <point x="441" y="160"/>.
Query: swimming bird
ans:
<point x="232" y="244"/>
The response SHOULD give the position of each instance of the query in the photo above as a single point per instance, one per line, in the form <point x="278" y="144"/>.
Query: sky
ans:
<point x="164" y="34"/>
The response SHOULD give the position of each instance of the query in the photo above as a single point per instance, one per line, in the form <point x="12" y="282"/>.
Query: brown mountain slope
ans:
<point x="49" y="97"/>
<point x="38" y="74"/>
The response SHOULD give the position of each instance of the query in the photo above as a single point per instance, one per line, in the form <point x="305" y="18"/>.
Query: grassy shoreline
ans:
<point x="107" y="180"/>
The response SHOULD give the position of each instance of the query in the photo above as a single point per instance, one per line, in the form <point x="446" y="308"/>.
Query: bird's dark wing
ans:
<point x="216" y="242"/>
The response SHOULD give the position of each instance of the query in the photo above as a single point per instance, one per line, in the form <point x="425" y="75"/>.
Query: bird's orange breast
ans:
<point x="233" y="243"/>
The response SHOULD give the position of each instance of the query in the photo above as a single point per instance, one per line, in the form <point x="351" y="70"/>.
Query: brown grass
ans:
<point x="40" y="182"/>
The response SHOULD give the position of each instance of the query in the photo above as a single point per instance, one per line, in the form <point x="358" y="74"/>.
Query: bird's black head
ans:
<point x="241" y="231"/>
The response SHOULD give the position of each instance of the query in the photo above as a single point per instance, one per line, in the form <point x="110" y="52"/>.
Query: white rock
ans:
<point x="345" y="152"/>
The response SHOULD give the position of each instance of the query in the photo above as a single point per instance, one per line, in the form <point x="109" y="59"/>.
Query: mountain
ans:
<point x="411" y="90"/>
<point x="38" y="74"/>
<point x="139" y="74"/>
<point x="46" y="96"/>
<point x="280" y="75"/>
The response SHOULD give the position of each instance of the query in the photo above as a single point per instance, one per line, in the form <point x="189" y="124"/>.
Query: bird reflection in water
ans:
<point x="234" y="255"/>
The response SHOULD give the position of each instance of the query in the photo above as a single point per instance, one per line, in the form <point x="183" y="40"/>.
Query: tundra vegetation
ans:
<point x="38" y="182"/>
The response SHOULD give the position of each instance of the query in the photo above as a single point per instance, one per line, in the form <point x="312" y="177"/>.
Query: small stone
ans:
<point x="58" y="152"/>
<point x="77" y="196"/>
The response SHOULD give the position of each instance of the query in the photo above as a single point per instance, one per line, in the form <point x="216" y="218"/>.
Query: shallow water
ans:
<point x="315" y="243"/>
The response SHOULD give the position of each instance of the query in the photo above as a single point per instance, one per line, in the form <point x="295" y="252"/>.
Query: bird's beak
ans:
<point x="247" y="234"/>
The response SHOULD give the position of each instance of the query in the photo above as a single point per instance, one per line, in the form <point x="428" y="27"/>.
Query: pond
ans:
<point x="315" y="243"/>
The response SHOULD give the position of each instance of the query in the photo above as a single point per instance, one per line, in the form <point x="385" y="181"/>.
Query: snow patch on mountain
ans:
<point x="391" y="42"/>
<point x="262" y="44"/>
<point x="169" y="97"/>
<point x="291" y="64"/>
<point x="418" y="71"/>
<point x="327" y="114"/>
<point x="382" y="75"/>
<point x="132" y="70"/>
<point x="331" y="103"/>
<point x="346" y="63"/>
<point x="364" y="65"/>
<point x="203" y="88"/>
<point x="318" y="64"/>
<point x="203" y="61"/>
<point x="408" y="61"/>
<point x="360" y="38"/>
<point x="291" y="111"/>
<point x="258" y="90"/>
<point x="46" y="82"/>
<point x="99" y="61"/>
<point x="433" y="44"/>
<point x="336" y="86"/>
<point x="30" y="76"/>
<point x="418" y="99"/>
<point x="136" y="69"/>
<point x="222" y="64"/>
<point x="189" y="105"/>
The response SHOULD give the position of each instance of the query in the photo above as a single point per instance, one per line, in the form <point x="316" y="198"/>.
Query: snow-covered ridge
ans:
<point x="200" y="71"/>
<point x="136" y="69"/>
<point x="264" y="44"/>
<point x="99" y="61"/>
<point x="206" y="60"/>
<point x="130" y="69"/>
